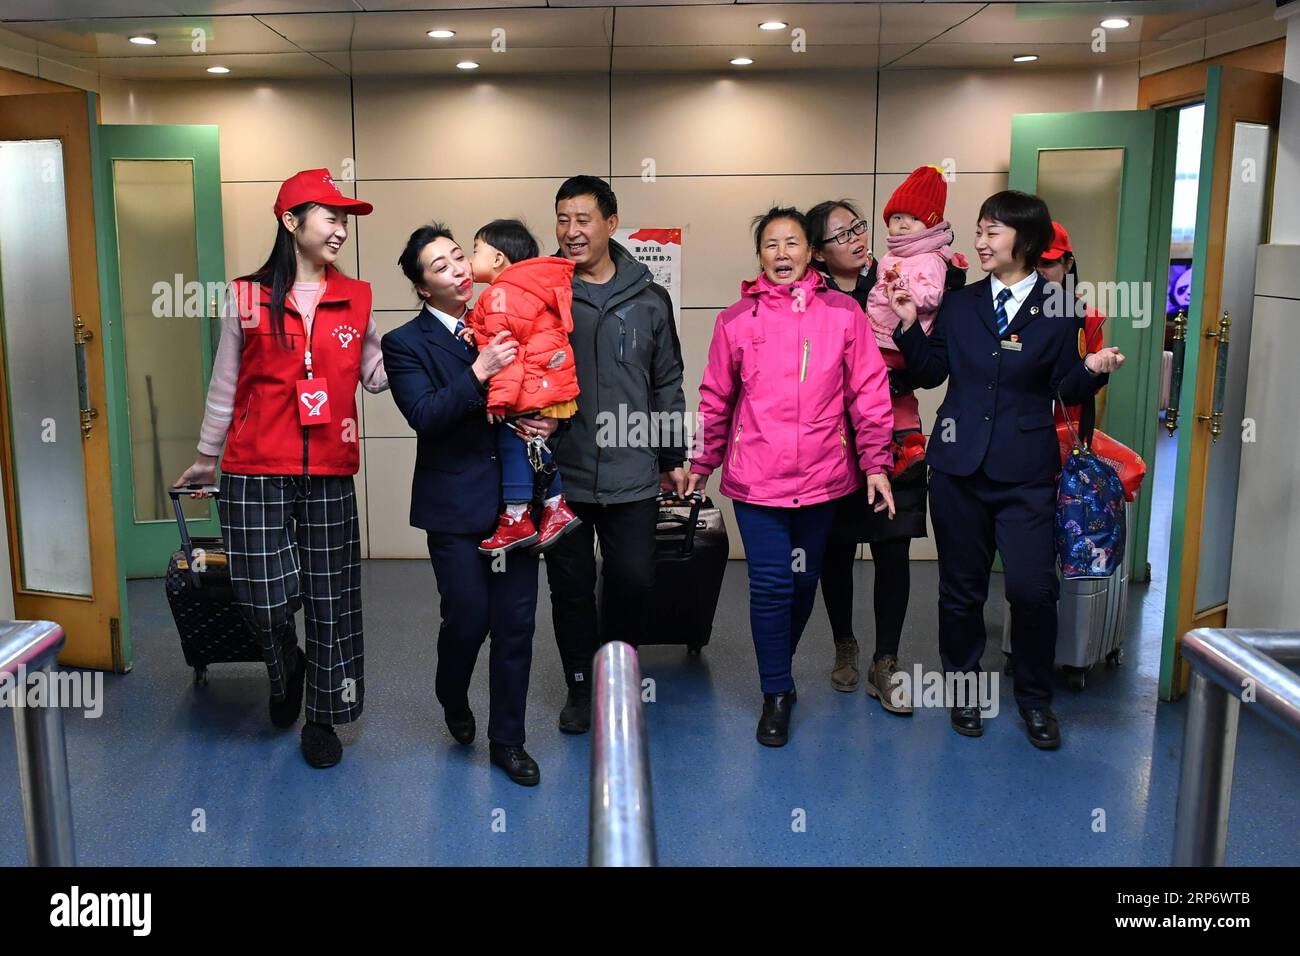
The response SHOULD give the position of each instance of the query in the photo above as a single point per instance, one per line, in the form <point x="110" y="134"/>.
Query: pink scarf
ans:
<point x="938" y="238"/>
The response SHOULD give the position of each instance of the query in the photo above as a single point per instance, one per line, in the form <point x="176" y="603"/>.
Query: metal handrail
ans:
<point x="1227" y="665"/>
<point x="27" y="647"/>
<point x="621" y="826"/>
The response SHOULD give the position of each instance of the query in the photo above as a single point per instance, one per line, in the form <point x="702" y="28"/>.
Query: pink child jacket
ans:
<point x="921" y="262"/>
<point x="785" y="363"/>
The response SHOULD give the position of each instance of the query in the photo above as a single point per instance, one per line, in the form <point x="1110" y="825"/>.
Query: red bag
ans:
<point x="1127" y="463"/>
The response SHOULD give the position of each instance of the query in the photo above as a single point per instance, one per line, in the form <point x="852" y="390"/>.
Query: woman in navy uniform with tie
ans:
<point x="993" y="453"/>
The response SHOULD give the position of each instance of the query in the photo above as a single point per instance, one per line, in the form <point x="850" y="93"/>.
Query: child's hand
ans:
<point x="493" y="418"/>
<point x="901" y="301"/>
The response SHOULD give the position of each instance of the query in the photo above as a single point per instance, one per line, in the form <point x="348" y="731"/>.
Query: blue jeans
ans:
<point x="784" y="549"/>
<point x="517" y="473"/>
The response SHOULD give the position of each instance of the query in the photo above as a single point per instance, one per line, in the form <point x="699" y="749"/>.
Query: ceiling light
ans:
<point x="741" y="61"/>
<point x="772" y="25"/>
<point x="218" y="69"/>
<point x="1025" y="58"/>
<point x="467" y="65"/>
<point x="1114" y="23"/>
<point x="442" y="34"/>
<point x="144" y="39"/>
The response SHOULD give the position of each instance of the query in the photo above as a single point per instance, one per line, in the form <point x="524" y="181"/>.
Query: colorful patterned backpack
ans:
<point x="1089" y="509"/>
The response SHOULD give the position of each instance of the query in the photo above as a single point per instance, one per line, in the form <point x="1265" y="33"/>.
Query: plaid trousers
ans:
<point x="294" y="540"/>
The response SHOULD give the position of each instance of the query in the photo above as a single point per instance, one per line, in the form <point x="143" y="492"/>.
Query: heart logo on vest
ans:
<point x="345" y="334"/>
<point x="314" y="401"/>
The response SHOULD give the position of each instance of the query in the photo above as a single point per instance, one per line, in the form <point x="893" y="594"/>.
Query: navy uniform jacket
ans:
<point x="998" y="410"/>
<point x="457" y="483"/>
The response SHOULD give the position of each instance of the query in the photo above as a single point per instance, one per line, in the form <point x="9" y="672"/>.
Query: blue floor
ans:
<point x="873" y="788"/>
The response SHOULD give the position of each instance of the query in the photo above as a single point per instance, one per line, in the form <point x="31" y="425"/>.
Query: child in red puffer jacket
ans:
<point x="531" y="297"/>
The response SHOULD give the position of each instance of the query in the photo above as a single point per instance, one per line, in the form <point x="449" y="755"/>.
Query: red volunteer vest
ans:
<point x="266" y="436"/>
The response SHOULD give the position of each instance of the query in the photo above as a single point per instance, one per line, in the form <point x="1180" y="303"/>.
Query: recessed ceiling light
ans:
<point x="1025" y="58"/>
<point x="741" y="61"/>
<point x="1114" y="23"/>
<point x="772" y="25"/>
<point x="144" y="39"/>
<point x="218" y="69"/>
<point x="467" y="65"/>
<point x="442" y="34"/>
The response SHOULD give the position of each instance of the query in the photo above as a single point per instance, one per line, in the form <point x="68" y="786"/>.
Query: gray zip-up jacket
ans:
<point x="631" y="410"/>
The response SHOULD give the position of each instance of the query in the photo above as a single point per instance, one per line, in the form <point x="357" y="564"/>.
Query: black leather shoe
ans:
<point x="774" y="724"/>
<point x="575" y="717"/>
<point x="284" y="712"/>
<point x="1041" y="726"/>
<point x="461" y="724"/>
<point x="520" y="767"/>
<point x="967" y="721"/>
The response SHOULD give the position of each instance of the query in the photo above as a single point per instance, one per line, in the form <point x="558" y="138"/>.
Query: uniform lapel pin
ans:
<point x="1033" y="310"/>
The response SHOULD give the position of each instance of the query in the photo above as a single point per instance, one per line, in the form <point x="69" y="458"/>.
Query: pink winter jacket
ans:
<point x="785" y="363"/>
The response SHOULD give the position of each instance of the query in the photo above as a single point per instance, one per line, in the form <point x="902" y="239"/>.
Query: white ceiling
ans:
<point x="281" y="38"/>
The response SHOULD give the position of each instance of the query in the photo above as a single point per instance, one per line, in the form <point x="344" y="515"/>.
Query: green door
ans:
<point x="1096" y="173"/>
<point x="161" y="265"/>
<point x="1238" y="142"/>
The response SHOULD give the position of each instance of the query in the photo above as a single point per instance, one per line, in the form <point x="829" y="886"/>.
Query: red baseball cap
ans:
<point x="1060" y="243"/>
<point x="316" y="185"/>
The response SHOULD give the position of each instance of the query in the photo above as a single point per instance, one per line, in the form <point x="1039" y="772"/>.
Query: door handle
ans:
<point x="1215" y="416"/>
<point x="1179" y="349"/>
<point x="80" y="336"/>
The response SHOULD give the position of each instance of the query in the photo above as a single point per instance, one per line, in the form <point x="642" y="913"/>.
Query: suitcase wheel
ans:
<point x="1115" y="657"/>
<point x="1076" y="677"/>
<point x="693" y="650"/>
<point x="200" y="676"/>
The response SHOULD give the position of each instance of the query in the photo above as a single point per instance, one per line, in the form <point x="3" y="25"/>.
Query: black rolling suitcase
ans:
<point x="203" y="602"/>
<point x="691" y="549"/>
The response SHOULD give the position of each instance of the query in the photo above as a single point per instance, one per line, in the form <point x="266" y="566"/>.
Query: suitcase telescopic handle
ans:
<point x="697" y="502"/>
<point x="186" y="543"/>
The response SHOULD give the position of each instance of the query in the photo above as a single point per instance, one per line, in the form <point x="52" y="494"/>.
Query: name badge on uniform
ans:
<point x="313" y="401"/>
<point x="1013" y="344"/>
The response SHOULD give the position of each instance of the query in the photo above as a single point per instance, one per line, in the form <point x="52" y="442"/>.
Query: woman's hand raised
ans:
<point x="1107" y="360"/>
<point x="495" y="356"/>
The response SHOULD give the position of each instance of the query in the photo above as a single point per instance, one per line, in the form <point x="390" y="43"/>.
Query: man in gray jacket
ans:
<point x="626" y="443"/>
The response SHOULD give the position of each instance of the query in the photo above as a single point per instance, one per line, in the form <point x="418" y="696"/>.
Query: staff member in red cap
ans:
<point x="296" y="338"/>
<point x="1055" y="265"/>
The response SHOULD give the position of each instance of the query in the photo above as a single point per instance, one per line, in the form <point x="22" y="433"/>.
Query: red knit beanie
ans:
<point x="922" y="194"/>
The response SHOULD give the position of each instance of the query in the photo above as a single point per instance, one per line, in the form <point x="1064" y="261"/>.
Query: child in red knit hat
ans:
<point x="920" y="251"/>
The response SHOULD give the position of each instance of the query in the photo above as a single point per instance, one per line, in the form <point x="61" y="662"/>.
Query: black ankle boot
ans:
<point x="774" y="724"/>
<point x="575" y="717"/>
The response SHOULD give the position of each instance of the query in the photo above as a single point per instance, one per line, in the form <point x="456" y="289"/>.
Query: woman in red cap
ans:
<point x="1055" y="265"/>
<point x="296" y="339"/>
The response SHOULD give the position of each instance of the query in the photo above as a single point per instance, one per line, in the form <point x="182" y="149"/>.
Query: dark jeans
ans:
<point x="627" y="547"/>
<point x="516" y="472"/>
<point x="893" y="577"/>
<point x="784" y="548"/>
<point x="973" y="516"/>
<point x="481" y="594"/>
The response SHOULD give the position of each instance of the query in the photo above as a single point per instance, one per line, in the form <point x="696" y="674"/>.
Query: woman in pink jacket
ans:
<point x="785" y="363"/>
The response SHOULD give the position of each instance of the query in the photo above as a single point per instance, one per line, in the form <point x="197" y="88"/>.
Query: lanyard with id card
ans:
<point x="313" y="393"/>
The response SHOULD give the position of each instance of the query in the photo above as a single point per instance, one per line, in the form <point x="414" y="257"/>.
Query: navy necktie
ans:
<point x="460" y="327"/>
<point x="1000" y="311"/>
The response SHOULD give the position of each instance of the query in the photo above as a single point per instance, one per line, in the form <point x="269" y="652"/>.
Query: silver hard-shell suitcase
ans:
<point x="1090" y="620"/>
